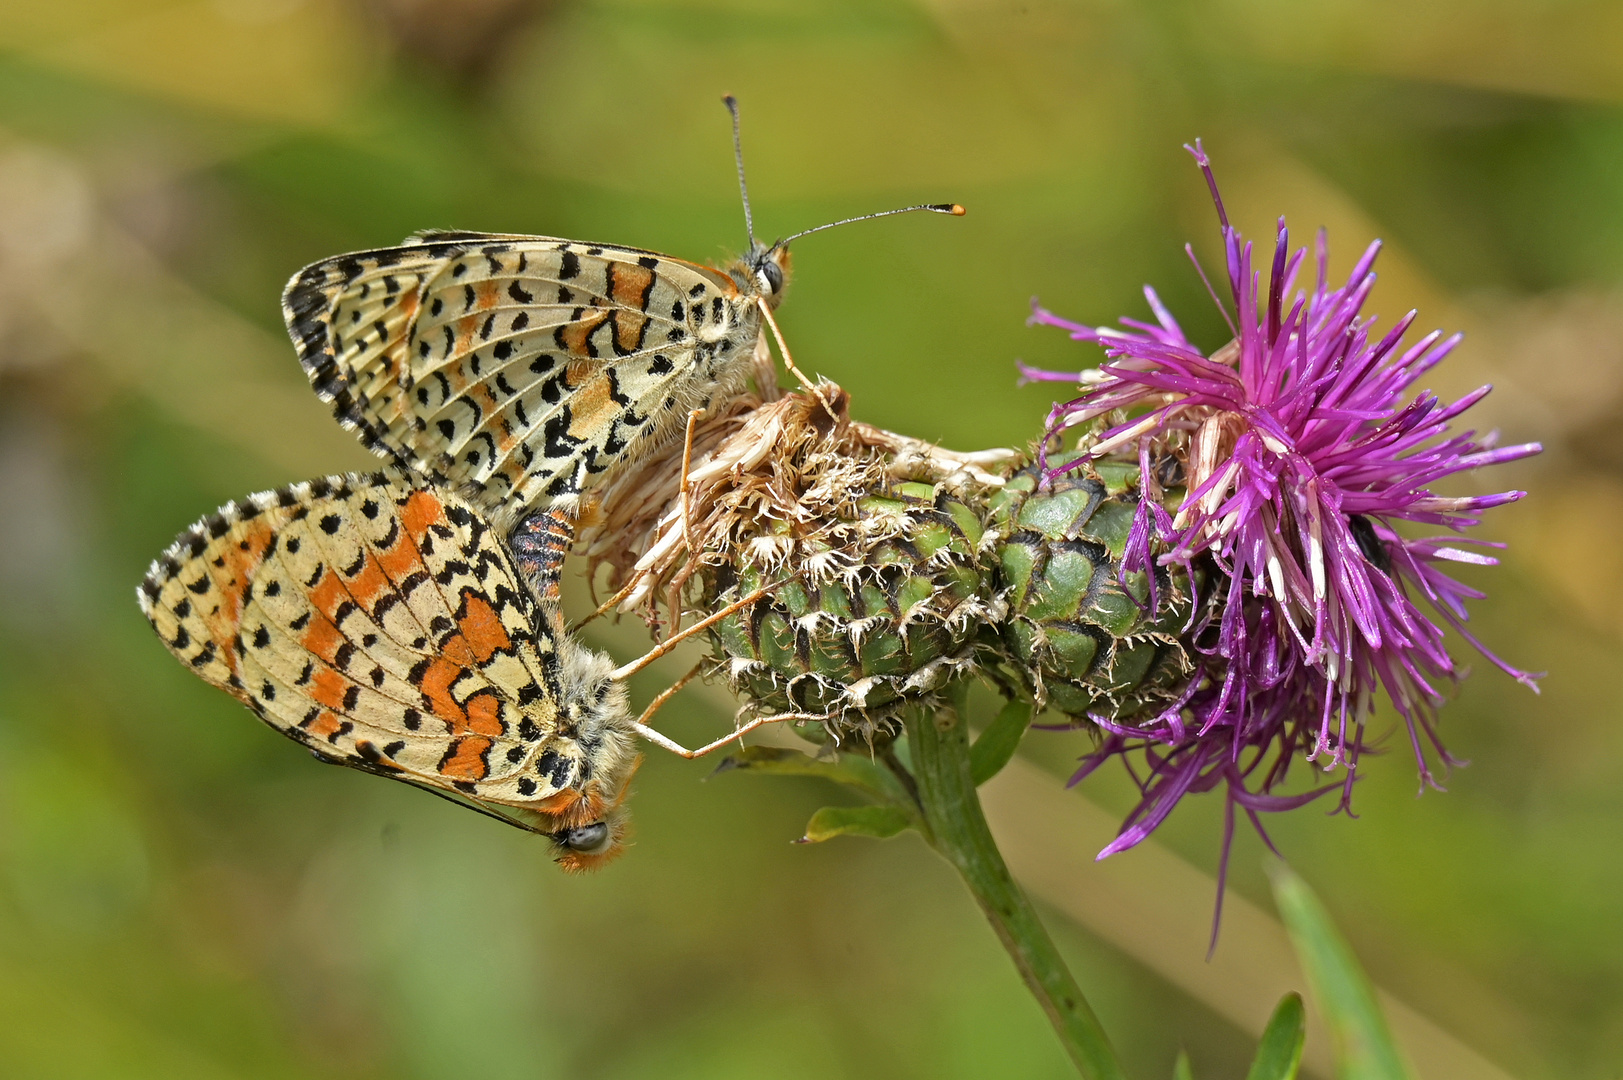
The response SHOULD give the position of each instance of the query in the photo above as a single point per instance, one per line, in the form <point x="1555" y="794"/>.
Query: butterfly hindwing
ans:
<point x="517" y="368"/>
<point x="380" y="623"/>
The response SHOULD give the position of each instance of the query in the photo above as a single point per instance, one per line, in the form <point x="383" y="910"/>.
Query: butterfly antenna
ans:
<point x="738" y="156"/>
<point x="935" y="208"/>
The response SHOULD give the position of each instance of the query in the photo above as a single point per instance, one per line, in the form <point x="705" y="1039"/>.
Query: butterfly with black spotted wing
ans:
<point x="520" y="370"/>
<point x="384" y="624"/>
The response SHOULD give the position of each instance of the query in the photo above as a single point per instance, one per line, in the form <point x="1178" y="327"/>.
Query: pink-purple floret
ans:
<point x="1309" y="444"/>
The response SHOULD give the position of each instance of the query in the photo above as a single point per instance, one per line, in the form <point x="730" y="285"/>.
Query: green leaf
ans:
<point x="1359" y="1039"/>
<point x="851" y="769"/>
<point x="879" y="822"/>
<point x="1181" y="1069"/>
<point x="1279" y="1053"/>
<point x="997" y="743"/>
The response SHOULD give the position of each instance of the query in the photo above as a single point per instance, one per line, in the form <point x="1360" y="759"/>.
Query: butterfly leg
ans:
<point x="669" y="692"/>
<point x="789" y="361"/>
<point x="627" y="670"/>
<point x="686" y="486"/>
<point x="611" y="603"/>
<point x="681" y="751"/>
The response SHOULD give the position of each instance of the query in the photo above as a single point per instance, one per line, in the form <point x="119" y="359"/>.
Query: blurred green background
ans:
<point x="184" y="894"/>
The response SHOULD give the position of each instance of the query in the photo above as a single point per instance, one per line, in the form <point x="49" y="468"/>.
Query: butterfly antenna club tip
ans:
<point x="935" y="208"/>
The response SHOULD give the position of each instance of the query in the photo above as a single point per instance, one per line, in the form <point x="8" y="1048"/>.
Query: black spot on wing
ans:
<point x="558" y="442"/>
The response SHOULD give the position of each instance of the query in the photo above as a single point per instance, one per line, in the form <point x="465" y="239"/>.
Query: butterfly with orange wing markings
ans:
<point x="521" y="369"/>
<point x="383" y="624"/>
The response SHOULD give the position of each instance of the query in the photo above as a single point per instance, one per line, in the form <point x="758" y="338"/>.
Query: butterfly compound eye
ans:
<point x="770" y="275"/>
<point x="593" y="839"/>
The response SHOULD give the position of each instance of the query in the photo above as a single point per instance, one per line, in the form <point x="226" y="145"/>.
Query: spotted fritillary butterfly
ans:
<point x="521" y="369"/>
<point x="382" y="623"/>
<point x="399" y="622"/>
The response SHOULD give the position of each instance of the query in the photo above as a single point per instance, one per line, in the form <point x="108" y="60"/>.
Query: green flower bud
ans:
<point x="889" y="598"/>
<point x="1080" y="637"/>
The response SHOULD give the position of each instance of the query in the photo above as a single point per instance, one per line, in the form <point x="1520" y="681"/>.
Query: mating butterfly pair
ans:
<point x="407" y="622"/>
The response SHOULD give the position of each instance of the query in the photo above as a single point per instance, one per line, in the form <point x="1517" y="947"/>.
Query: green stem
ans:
<point x="940" y="751"/>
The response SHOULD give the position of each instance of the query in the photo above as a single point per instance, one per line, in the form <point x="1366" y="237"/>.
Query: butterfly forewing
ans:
<point x="381" y="624"/>
<point x="517" y="368"/>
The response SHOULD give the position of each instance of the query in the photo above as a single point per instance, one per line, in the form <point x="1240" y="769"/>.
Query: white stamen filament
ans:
<point x="1276" y="576"/>
<point x="1442" y="505"/>
<point x="1456" y="555"/>
<point x="1315" y="548"/>
<point x="1148" y="422"/>
<point x="1219" y="491"/>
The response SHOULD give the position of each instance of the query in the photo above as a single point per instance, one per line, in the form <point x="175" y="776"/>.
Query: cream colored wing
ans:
<point x="518" y="369"/>
<point x="383" y="625"/>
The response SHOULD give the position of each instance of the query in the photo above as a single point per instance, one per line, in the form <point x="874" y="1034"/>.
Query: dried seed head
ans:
<point x="876" y="537"/>
<point x="884" y="612"/>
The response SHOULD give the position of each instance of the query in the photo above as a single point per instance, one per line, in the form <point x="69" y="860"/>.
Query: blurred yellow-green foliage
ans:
<point x="184" y="894"/>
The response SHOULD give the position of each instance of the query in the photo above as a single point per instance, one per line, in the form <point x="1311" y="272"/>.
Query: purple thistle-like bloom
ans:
<point x="1301" y="451"/>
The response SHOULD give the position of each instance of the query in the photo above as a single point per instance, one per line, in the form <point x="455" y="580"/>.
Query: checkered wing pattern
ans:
<point x="517" y="368"/>
<point x="382" y="624"/>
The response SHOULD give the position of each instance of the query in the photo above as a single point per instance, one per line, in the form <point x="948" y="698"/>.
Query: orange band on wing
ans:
<point x="591" y="407"/>
<point x="402" y="560"/>
<point x="367" y="585"/>
<point x="466" y="759"/>
<point x="422" y="509"/>
<point x="322" y="638"/>
<point x="482" y="715"/>
<point x="629" y="327"/>
<point x="436" y="688"/>
<point x="629" y="285"/>
<point x="239" y="561"/>
<point x="328" y="689"/>
<point x="324" y="726"/>
<point x="482" y="632"/>
<point x="574" y="337"/>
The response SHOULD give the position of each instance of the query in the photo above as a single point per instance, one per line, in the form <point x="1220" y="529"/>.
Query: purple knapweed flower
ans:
<point x="1301" y="451"/>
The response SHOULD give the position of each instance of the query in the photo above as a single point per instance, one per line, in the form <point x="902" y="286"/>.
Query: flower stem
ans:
<point x="940" y="752"/>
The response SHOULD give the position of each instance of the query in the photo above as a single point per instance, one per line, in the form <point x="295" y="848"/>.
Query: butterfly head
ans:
<point x="764" y="271"/>
<point x="594" y="831"/>
<point x="589" y="821"/>
<point x="590" y="845"/>
<point x="590" y="827"/>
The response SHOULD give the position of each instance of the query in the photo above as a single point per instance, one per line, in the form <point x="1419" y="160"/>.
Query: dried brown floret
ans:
<point x="877" y="539"/>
